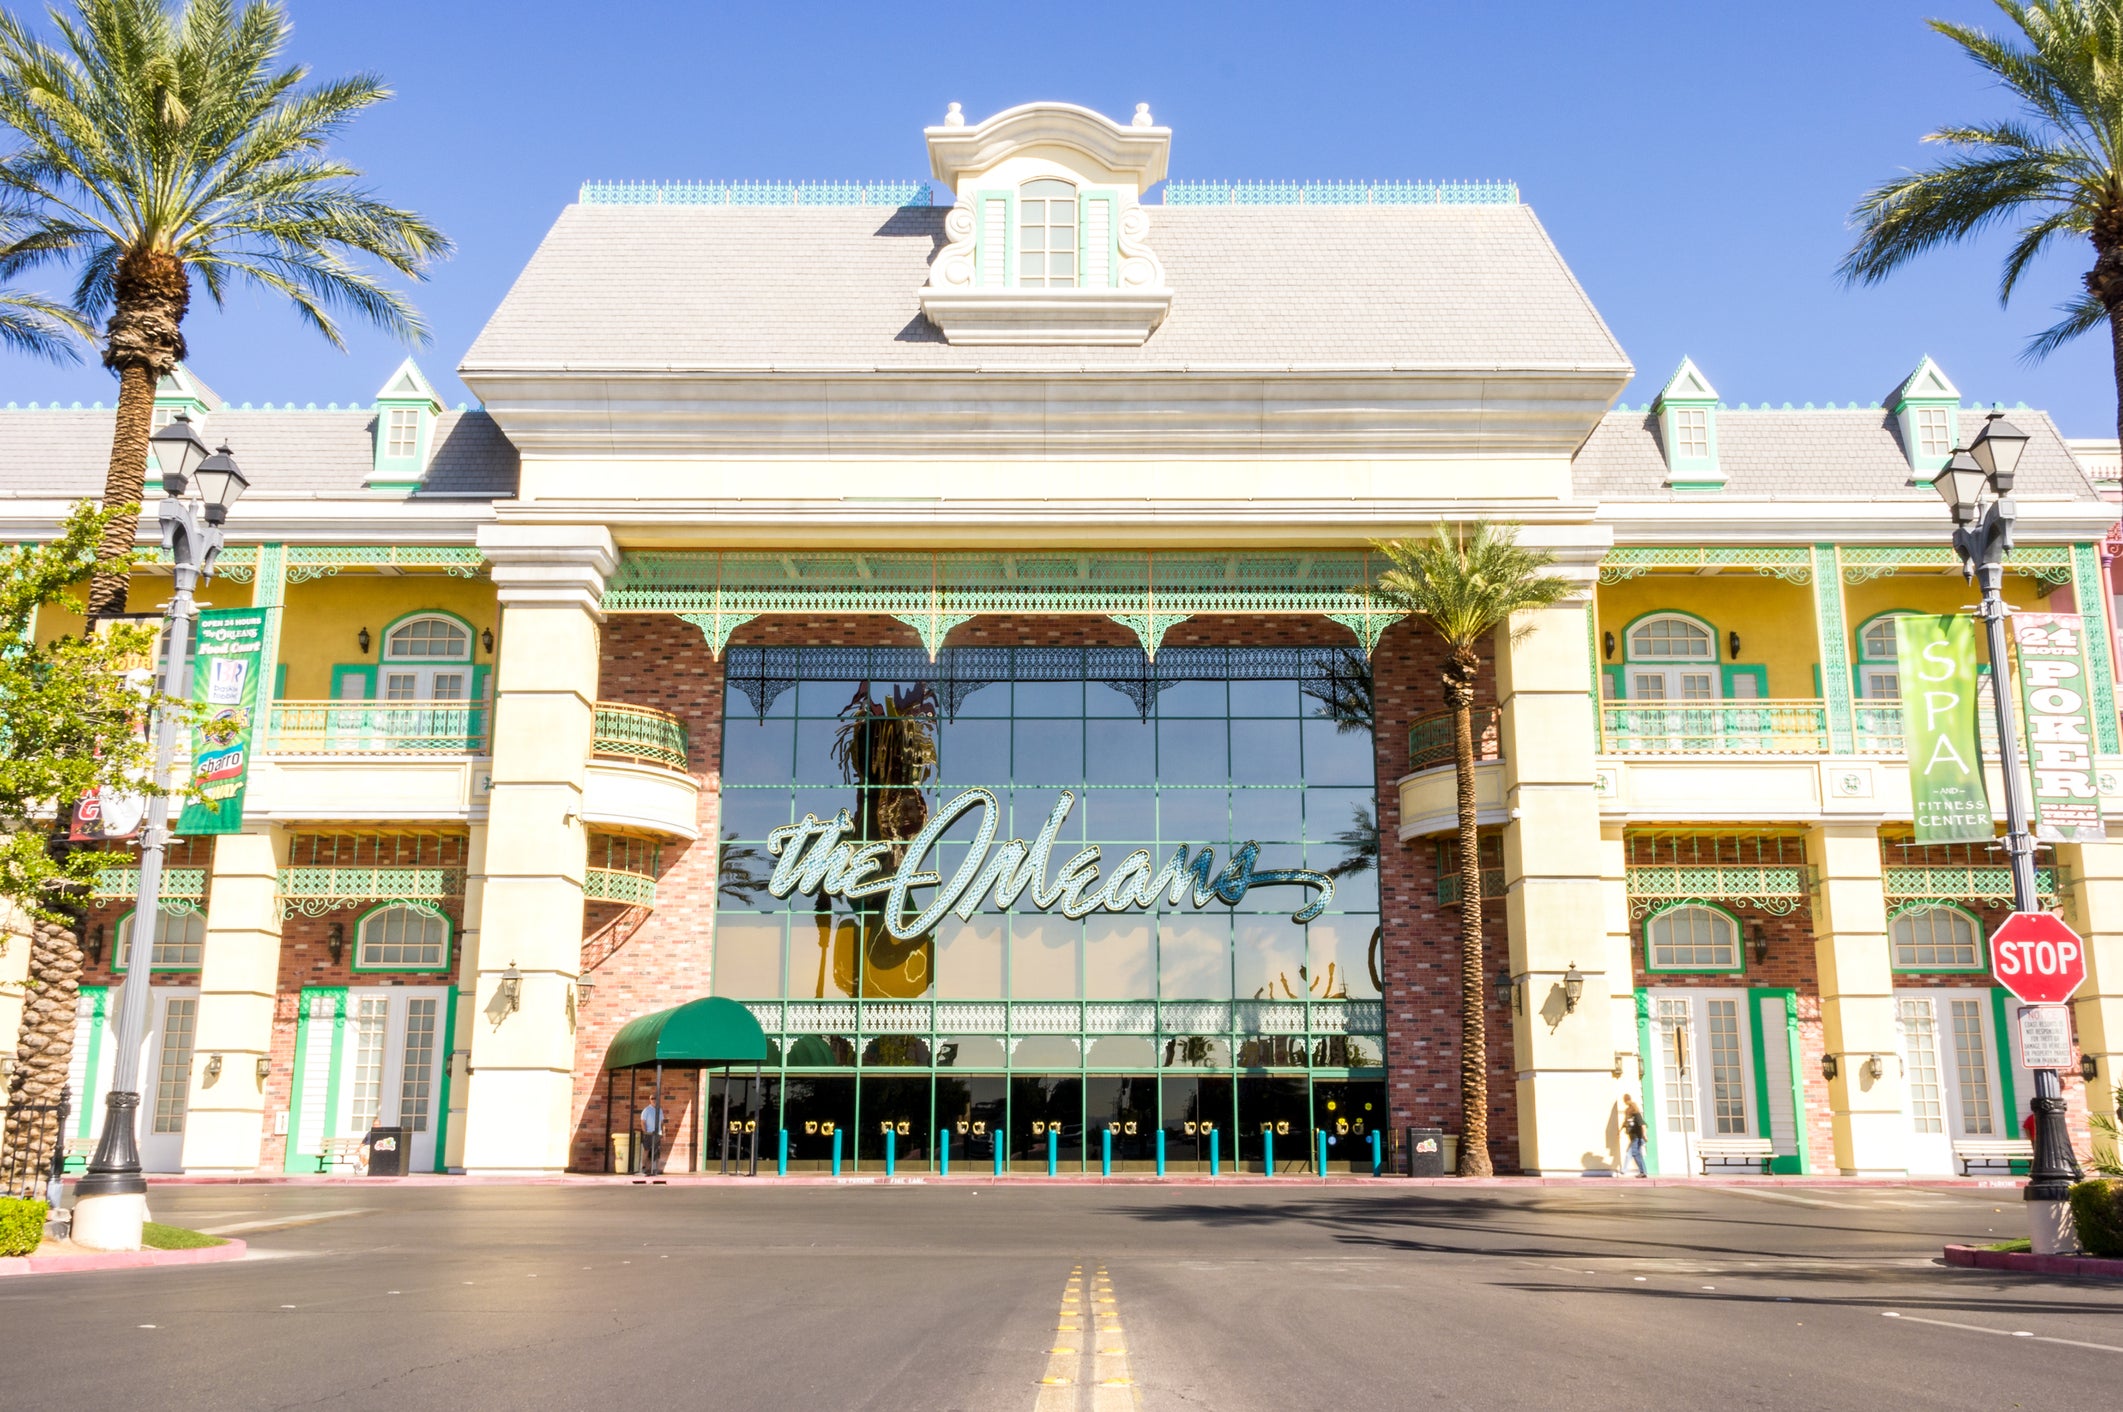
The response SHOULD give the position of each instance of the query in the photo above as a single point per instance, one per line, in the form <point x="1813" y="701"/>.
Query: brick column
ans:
<point x="549" y="580"/>
<point x="239" y="975"/>
<point x="1851" y="958"/>
<point x="1555" y="899"/>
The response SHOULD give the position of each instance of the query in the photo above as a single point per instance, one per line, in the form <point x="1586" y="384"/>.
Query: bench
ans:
<point x="1734" y="1149"/>
<point x="1992" y="1152"/>
<point x="78" y="1151"/>
<point x="340" y="1154"/>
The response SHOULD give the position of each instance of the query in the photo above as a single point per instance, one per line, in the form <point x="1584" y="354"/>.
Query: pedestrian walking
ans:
<point x="1633" y="1129"/>
<point x="652" y="1136"/>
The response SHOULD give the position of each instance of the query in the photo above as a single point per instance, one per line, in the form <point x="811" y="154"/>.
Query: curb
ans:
<point x="1190" y="1179"/>
<point x="119" y="1259"/>
<point x="1974" y="1257"/>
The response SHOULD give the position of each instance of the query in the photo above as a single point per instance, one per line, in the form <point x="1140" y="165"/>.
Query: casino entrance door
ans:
<point x="1198" y="1114"/>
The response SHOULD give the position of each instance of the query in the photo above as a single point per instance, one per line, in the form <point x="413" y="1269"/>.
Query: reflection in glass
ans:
<point x="821" y="1051"/>
<point x="1120" y="958"/>
<point x="1047" y="1051"/>
<point x="1194" y="1051"/>
<point x="756" y="752"/>
<point x="1122" y="1109"/>
<point x="969" y="958"/>
<point x="748" y="955"/>
<point x="1344" y="957"/>
<point x="1193" y="752"/>
<point x="1122" y="1051"/>
<point x="978" y="1051"/>
<point x="1194" y="1109"/>
<point x="973" y="1112"/>
<point x="1270" y="956"/>
<point x="902" y="1105"/>
<point x="1041" y="1105"/>
<point x="1194" y="956"/>
<point x="746" y="1126"/>
<point x="813" y="1111"/>
<point x="1042" y="957"/>
<point x="1280" y="1105"/>
<point x="896" y="1051"/>
<point x="1264" y="752"/>
<point x="1348" y="1111"/>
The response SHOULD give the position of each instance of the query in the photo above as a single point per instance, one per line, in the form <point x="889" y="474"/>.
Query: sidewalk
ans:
<point x="983" y="1178"/>
<point x="64" y="1262"/>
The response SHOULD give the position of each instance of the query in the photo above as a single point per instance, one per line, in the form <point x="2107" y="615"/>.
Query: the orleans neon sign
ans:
<point x="817" y="857"/>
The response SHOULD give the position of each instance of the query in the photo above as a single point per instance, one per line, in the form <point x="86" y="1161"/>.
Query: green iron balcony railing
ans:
<point x="1714" y="727"/>
<point x="639" y="733"/>
<point x="379" y="727"/>
<point x="1430" y="738"/>
<point x="1448" y="886"/>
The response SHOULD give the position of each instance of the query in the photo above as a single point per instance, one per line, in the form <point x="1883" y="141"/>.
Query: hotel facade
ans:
<point x="924" y="517"/>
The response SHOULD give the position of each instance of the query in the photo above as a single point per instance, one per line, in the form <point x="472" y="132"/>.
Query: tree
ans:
<point x="1466" y="584"/>
<point x="31" y="323"/>
<point x="2057" y="166"/>
<point x="71" y="708"/>
<point x="161" y="143"/>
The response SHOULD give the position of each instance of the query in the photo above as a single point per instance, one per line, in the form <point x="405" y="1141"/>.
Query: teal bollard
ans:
<point x="1053" y="1149"/>
<point x="781" y="1155"/>
<point x="1105" y="1153"/>
<point x="943" y="1152"/>
<point x="998" y="1155"/>
<point x="1377" y="1162"/>
<point x="1160" y="1151"/>
<point x="1268" y="1151"/>
<point x="836" y="1152"/>
<point x="891" y="1152"/>
<point x="1216" y="1153"/>
<point x="1323" y="1152"/>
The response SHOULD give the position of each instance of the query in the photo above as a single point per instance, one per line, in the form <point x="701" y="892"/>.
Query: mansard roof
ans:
<point x="664" y="289"/>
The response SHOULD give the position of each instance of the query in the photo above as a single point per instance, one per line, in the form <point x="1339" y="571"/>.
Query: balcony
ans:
<point x="1430" y="738"/>
<point x="379" y="727"/>
<point x="639" y="779"/>
<point x="372" y="761"/>
<point x="1716" y="728"/>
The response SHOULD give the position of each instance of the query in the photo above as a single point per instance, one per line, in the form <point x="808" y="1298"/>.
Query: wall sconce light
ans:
<point x="335" y="941"/>
<point x="362" y="637"/>
<point x="1573" y="988"/>
<point x="1761" y="942"/>
<point x="1828" y="1066"/>
<point x="213" y="1067"/>
<point x="1622" y="1054"/>
<point x="2089" y="1068"/>
<point x="95" y="945"/>
<point x="265" y="1068"/>
<point x="1607" y="642"/>
<point x="1875" y="1068"/>
<point x="510" y="991"/>
<point x="486" y="640"/>
<point x="1506" y="991"/>
<point x="1732" y="640"/>
<point x="583" y="986"/>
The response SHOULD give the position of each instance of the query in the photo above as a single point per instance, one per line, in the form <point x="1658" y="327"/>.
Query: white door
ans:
<point x="165" y="1077"/>
<point x="1702" y="1073"/>
<point x="425" y="726"/>
<point x="392" y="1060"/>
<point x="1950" y="1089"/>
<point x="1690" y="722"/>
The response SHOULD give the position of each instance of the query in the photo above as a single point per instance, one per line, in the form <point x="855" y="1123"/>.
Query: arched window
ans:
<point x="1692" y="938"/>
<point x="1046" y="234"/>
<point x="1671" y="658"/>
<point x="1936" y="938"/>
<point x="180" y="942"/>
<point x="1879" y="655"/>
<point x="427" y="658"/>
<point x="402" y="938"/>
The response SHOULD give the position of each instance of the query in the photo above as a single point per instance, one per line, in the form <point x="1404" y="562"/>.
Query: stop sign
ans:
<point x="2036" y="957"/>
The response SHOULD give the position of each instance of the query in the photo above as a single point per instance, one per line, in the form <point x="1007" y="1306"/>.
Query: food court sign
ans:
<point x="819" y="858"/>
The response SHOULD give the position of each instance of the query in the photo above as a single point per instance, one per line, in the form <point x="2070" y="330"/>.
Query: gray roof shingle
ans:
<point x="1824" y="454"/>
<point x="690" y="287"/>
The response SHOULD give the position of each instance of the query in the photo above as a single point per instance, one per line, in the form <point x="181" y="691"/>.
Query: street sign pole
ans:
<point x="2042" y="961"/>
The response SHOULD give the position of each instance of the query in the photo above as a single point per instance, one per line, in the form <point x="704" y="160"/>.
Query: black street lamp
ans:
<point x="110" y="1201"/>
<point x="1982" y="536"/>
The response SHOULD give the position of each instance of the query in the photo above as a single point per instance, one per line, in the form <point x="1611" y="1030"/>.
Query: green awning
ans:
<point x="701" y="1033"/>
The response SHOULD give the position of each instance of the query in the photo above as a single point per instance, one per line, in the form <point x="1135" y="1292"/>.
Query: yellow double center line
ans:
<point x="1090" y="1352"/>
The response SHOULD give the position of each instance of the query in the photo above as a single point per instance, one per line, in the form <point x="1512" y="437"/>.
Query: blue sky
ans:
<point x="1694" y="162"/>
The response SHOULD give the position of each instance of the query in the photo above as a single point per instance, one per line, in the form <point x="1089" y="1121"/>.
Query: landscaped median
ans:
<point x="2097" y="1214"/>
<point x="25" y="1251"/>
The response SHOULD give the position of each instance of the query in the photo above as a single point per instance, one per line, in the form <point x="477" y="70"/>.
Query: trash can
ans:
<point x="623" y="1152"/>
<point x="1426" y="1152"/>
<point x="387" y="1152"/>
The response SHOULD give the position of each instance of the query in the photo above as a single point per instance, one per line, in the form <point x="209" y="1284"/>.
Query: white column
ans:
<point x="239" y="975"/>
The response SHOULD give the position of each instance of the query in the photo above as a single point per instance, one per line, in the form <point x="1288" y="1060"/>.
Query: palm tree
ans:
<point x="1466" y="584"/>
<point x="2057" y="166"/>
<point x="158" y="144"/>
<point x="30" y="323"/>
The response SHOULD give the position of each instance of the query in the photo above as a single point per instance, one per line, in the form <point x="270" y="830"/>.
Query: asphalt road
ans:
<point x="959" y="1296"/>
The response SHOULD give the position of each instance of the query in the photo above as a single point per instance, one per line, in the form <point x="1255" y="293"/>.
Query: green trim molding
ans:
<point x="2091" y="596"/>
<point x="1832" y="630"/>
<point x="449" y="935"/>
<point x="1739" y="941"/>
<point x="1643" y="1078"/>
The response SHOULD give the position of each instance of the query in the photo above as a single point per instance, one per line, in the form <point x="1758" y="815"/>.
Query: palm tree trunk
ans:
<point x="1474" y="1037"/>
<point x="143" y="342"/>
<point x="46" y="1045"/>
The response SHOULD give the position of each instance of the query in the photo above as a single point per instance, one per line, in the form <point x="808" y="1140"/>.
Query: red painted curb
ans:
<point x="2028" y="1263"/>
<point x="119" y="1259"/>
<point x="984" y="1178"/>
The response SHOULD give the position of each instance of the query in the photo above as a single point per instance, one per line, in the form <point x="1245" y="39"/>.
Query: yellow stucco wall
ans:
<point x="1773" y="618"/>
<point x="148" y="593"/>
<point x="325" y="616"/>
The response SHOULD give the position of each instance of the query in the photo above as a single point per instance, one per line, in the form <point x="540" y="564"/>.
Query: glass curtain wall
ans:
<point x="1019" y="1029"/>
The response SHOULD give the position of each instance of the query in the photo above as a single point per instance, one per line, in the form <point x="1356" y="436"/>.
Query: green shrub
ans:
<point x="21" y="1226"/>
<point x="2097" y="1207"/>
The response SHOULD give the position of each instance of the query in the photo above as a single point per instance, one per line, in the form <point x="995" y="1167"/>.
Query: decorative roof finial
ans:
<point x="954" y="116"/>
<point x="1142" y="116"/>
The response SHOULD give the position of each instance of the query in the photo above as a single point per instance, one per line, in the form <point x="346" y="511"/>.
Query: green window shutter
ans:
<point x="1780" y="1103"/>
<point x="993" y="236"/>
<point x="88" y="1070"/>
<point x="280" y="682"/>
<point x="1646" y="1095"/>
<point x="355" y="682"/>
<point x="1097" y="250"/>
<point x="1746" y="683"/>
<point x="1614" y="682"/>
<point x="442" y="1089"/>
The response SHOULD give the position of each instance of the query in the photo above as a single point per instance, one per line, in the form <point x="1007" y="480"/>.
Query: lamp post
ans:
<point x="1982" y="536"/>
<point x="110" y="1202"/>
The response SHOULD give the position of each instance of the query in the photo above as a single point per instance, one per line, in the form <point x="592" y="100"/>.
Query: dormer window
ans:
<point x="1046" y="235"/>
<point x="1691" y="433"/>
<point x="1934" y="433"/>
<point x="403" y="437"/>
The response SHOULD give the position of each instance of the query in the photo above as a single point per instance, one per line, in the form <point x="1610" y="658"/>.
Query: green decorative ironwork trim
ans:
<point x="1790" y="563"/>
<point x="1430" y="742"/>
<point x="1776" y="890"/>
<point x="1448" y="886"/>
<point x="2051" y="563"/>
<point x="1911" y="888"/>
<point x="639" y="733"/>
<point x="2091" y="595"/>
<point x="237" y="564"/>
<point x="1174" y="1018"/>
<point x="755" y="193"/>
<point x="183" y="889"/>
<point x="315" y="561"/>
<point x="1148" y="591"/>
<point x="1834" y="631"/>
<point x="314" y="891"/>
<point x="617" y="885"/>
<point x="1341" y="193"/>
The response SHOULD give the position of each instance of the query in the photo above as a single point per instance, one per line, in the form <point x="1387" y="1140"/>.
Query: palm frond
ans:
<point x="2081" y="315"/>
<point x="1468" y="582"/>
<point x="30" y="323"/>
